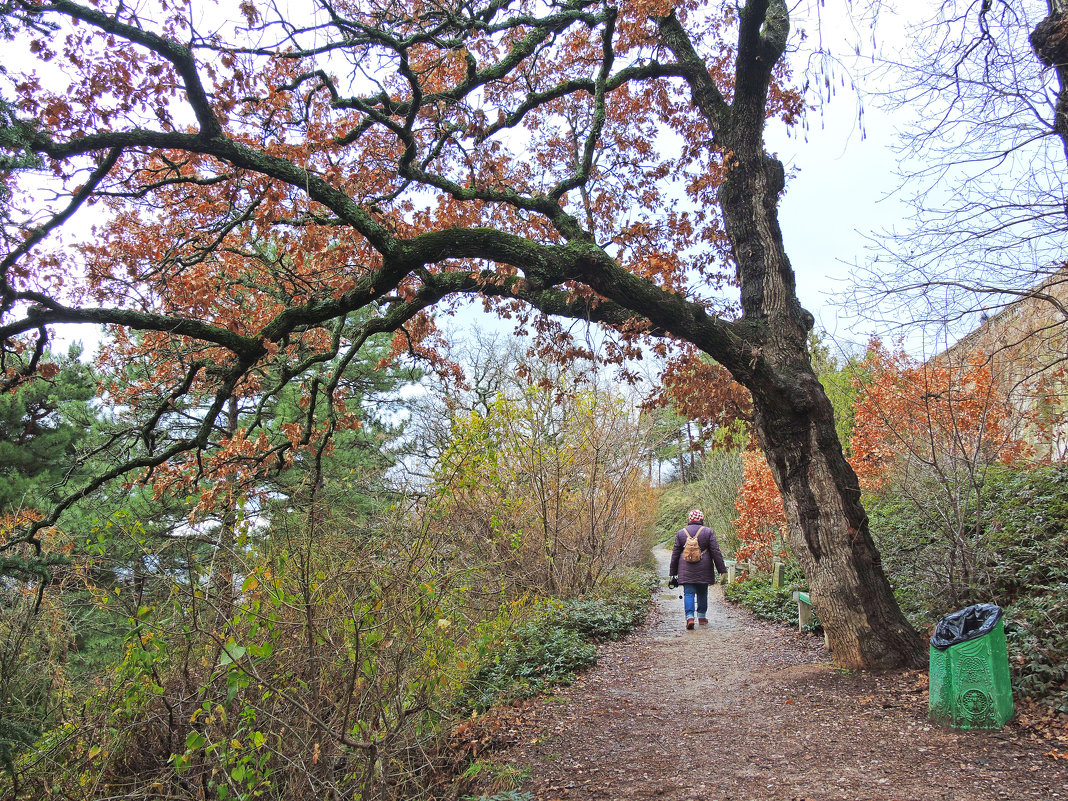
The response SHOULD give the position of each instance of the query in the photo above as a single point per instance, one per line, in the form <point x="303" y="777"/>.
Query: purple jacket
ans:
<point x="697" y="572"/>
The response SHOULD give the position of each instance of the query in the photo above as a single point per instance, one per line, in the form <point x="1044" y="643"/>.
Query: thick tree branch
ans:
<point x="764" y="28"/>
<point x="706" y="95"/>
<point x="48" y="311"/>
<point x="181" y="57"/>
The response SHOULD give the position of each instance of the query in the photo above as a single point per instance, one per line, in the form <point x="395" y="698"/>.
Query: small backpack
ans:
<point x="691" y="551"/>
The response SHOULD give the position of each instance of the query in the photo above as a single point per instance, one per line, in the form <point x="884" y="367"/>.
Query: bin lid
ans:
<point x="967" y="624"/>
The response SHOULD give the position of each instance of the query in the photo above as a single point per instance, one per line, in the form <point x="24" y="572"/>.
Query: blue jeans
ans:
<point x="698" y="593"/>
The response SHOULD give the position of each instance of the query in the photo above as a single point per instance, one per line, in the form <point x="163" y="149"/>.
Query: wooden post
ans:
<point x="804" y="610"/>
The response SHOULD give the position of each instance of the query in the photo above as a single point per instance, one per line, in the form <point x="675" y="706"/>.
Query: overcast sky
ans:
<point x="842" y="191"/>
<point x="837" y="198"/>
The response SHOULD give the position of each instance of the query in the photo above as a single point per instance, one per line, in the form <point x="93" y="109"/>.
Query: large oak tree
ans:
<point x="265" y="181"/>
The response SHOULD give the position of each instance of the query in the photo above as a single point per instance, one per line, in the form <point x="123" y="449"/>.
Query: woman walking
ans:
<point x="694" y="561"/>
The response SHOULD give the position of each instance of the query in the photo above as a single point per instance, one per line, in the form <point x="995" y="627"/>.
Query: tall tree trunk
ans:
<point x="828" y="531"/>
<point x="794" y="420"/>
<point x="682" y="457"/>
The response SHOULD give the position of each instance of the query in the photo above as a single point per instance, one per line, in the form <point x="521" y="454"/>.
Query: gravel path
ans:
<point x="745" y="710"/>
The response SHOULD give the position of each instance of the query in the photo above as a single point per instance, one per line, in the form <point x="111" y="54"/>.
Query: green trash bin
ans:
<point x="969" y="670"/>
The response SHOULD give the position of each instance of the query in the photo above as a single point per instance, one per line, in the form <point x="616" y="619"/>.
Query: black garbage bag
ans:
<point x="967" y="624"/>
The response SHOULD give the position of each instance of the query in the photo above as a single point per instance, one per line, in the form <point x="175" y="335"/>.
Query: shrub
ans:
<point x="598" y="619"/>
<point x="1025" y="570"/>
<point x="756" y="593"/>
<point x="618" y="607"/>
<point x="326" y="640"/>
<point x="1026" y="536"/>
<point x="1020" y="544"/>
<point x="1037" y="639"/>
<point x="557" y="643"/>
<point x="540" y="656"/>
<point x="507" y="795"/>
<point x="915" y="558"/>
<point x="761" y="523"/>
<point x="549" y="486"/>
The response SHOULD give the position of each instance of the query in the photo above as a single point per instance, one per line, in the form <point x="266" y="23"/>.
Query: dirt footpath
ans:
<point x="745" y="710"/>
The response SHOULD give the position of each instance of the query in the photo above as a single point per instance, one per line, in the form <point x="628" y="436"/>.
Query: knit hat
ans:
<point x="697" y="516"/>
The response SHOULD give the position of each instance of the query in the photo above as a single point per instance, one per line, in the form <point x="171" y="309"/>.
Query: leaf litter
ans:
<point x="744" y="710"/>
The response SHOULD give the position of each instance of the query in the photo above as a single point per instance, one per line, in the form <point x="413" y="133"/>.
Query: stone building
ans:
<point x="1026" y="343"/>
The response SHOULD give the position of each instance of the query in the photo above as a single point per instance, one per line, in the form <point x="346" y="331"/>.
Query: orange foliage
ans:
<point x="254" y="200"/>
<point x="912" y="413"/>
<point x="10" y="521"/>
<point x="704" y="391"/>
<point x="761" y="523"/>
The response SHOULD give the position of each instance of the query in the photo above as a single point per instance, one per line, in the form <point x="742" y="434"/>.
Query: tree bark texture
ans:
<point x="794" y="421"/>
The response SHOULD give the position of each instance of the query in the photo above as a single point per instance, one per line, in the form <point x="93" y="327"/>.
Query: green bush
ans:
<point x="914" y="558"/>
<point x="507" y="795"/>
<point x="538" y="656"/>
<point x="1026" y="537"/>
<point x="557" y="643"/>
<point x="618" y="607"/>
<point x="1037" y="638"/>
<point x="598" y="619"/>
<point x="756" y="593"/>
<point x="629" y="586"/>
<point x="1017" y="548"/>
<point x="1026" y="572"/>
